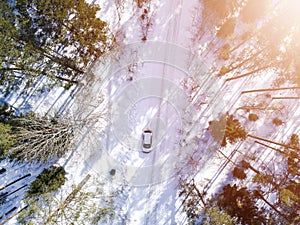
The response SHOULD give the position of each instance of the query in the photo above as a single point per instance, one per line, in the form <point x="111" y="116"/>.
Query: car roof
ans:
<point x="147" y="137"/>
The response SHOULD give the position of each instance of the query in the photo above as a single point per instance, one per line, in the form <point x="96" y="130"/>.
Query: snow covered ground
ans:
<point x="148" y="85"/>
<point x="143" y="91"/>
<point x="144" y="88"/>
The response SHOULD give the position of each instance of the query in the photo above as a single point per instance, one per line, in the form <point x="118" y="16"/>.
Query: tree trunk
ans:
<point x="68" y="80"/>
<point x="27" y="175"/>
<point x="287" y="98"/>
<point x="247" y="165"/>
<point x="12" y="69"/>
<point x="273" y="142"/>
<point x="60" y="61"/>
<point x="6" y="194"/>
<point x="8" y="212"/>
<point x="227" y="158"/>
<point x="243" y="62"/>
<point x="248" y="74"/>
<point x="68" y="199"/>
<point x="258" y="108"/>
<point x="33" y="71"/>
<point x="270" y="89"/>
<point x="275" y="149"/>
<point x="3" y="222"/>
<point x="270" y="181"/>
<point x="199" y="194"/>
<point x="271" y="205"/>
<point x="243" y="42"/>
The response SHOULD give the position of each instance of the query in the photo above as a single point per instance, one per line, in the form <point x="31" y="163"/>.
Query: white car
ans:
<point x="147" y="141"/>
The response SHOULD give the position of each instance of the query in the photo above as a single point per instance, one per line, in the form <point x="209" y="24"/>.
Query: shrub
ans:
<point x="294" y="141"/>
<point x="49" y="180"/>
<point x="277" y="121"/>
<point x="2" y="170"/>
<point x="140" y="2"/>
<point x="112" y="172"/>
<point x="253" y="117"/>
<point x="239" y="173"/>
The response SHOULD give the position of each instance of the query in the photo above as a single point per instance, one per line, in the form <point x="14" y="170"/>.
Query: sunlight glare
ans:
<point x="290" y="11"/>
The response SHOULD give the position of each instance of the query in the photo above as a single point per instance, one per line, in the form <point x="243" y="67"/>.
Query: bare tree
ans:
<point x="40" y="138"/>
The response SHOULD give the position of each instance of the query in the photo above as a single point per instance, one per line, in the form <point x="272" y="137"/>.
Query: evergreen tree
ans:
<point x="49" y="180"/>
<point x="283" y="182"/>
<point x="238" y="202"/>
<point x="233" y="131"/>
<point x="239" y="173"/>
<point x="277" y="121"/>
<point x="215" y="217"/>
<point x="57" y="39"/>
<point x="293" y="157"/>
<point x="6" y="113"/>
<point x="6" y="138"/>
<point x="77" y="206"/>
<point x="227" y="29"/>
<point x="253" y="117"/>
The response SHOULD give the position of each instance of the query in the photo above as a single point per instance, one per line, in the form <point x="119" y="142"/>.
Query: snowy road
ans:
<point x="144" y="89"/>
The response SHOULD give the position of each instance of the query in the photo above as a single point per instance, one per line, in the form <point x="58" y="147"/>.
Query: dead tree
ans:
<point x="40" y="138"/>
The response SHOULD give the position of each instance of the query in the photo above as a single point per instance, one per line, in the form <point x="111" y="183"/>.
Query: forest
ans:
<point x="251" y="47"/>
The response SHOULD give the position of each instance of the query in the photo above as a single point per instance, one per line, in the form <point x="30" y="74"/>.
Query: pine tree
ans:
<point x="233" y="131"/>
<point x="239" y="173"/>
<point x="293" y="157"/>
<point x="238" y="202"/>
<point x="282" y="182"/>
<point x="7" y="139"/>
<point x="77" y="206"/>
<point x="215" y="216"/>
<point x="49" y="180"/>
<point x="57" y="39"/>
<point x="227" y="29"/>
<point x="253" y="117"/>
